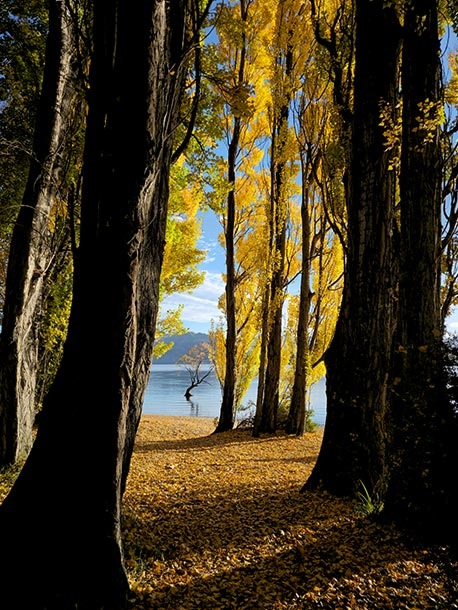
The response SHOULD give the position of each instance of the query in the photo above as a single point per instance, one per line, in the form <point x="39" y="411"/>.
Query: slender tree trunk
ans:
<point x="227" y="412"/>
<point x="274" y="346"/>
<point x="419" y="492"/>
<point x="270" y="404"/>
<point x="296" y="416"/>
<point x="262" y="362"/>
<point x="70" y="552"/>
<point x="30" y="252"/>
<point x="278" y="217"/>
<point x="358" y="360"/>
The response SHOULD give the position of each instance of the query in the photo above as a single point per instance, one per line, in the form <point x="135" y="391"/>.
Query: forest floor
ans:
<point x="215" y="522"/>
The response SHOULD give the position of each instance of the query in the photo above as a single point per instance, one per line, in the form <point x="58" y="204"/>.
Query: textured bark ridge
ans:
<point x="30" y="252"/>
<point x="61" y="521"/>
<point x="420" y="491"/>
<point x="359" y="358"/>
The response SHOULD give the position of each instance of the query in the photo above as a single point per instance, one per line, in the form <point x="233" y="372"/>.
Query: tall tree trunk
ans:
<point x="70" y="552"/>
<point x="358" y="360"/>
<point x="419" y="492"/>
<point x="297" y="410"/>
<point x="271" y="396"/>
<point x="271" y="400"/>
<point x="227" y="411"/>
<point x="262" y="361"/>
<point x="30" y="252"/>
<point x="278" y="217"/>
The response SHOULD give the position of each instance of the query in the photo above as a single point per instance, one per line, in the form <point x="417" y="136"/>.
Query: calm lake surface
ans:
<point x="168" y="382"/>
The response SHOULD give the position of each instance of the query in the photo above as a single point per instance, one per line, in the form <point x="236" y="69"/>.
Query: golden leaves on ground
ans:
<point x="218" y="522"/>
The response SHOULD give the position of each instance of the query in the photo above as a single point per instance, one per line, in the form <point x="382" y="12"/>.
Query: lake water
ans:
<point x="168" y="382"/>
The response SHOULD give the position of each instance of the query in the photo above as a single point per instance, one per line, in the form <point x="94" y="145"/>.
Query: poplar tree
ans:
<point x="321" y="256"/>
<point x="423" y="450"/>
<point x="241" y="30"/>
<point x="358" y="360"/>
<point x="238" y="89"/>
<point x="282" y="84"/>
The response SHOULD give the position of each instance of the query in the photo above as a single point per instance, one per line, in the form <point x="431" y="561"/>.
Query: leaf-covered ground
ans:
<point x="218" y="522"/>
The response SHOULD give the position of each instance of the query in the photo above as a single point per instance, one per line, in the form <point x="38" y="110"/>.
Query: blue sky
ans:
<point x="201" y="306"/>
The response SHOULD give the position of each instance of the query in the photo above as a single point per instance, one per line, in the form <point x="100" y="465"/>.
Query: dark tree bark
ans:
<point x="266" y="420"/>
<point x="297" y="410"/>
<point x="61" y="521"/>
<point x="419" y="493"/>
<point x="278" y="217"/>
<point x="262" y="361"/>
<point x="358" y="360"/>
<point x="227" y="411"/>
<point x="30" y="252"/>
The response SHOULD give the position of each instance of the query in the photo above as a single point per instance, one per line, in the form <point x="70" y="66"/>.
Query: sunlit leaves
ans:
<point x="169" y="324"/>
<point x="181" y="257"/>
<point x="430" y="115"/>
<point x="180" y="269"/>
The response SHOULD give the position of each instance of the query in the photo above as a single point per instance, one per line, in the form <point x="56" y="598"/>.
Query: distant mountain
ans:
<point x="181" y="345"/>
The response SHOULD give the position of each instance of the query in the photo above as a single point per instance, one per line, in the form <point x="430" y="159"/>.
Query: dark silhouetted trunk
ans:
<point x="70" y="552"/>
<point x="278" y="228"/>
<point x="270" y="399"/>
<point x="262" y="362"/>
<point x="297" y="410"/>
<point x="227" y="411"/>
<point x="419" y="492"/>
<point x="358" y="360"/>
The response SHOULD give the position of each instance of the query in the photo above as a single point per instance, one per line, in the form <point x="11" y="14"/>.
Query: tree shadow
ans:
<point x="259" y="544"/>
<point x="333" y="553"/>
<point x="233" y="437"/>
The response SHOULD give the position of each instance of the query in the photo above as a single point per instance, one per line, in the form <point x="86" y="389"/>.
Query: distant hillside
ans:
<point x="181" y="345"/>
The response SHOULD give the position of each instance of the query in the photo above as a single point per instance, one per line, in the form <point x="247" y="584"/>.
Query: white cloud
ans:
<point x="451" y="321"/>
<point x="208" y="244"/>
<point x="200" y="306"/>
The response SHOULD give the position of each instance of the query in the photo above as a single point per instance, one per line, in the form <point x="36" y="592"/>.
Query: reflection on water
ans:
<point x="168" y="383"/>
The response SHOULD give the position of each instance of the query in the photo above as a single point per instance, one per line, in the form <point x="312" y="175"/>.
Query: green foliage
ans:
<point x="310" y="425"/>
<point x="23" y="27"/>
<point x="169" y="324"/>
<point x="182" y="257"/>
<point x="367" y="504"/>
<point x="22" y="47"/>
<point x="57" y="305"/>
<point x="8" y="475"/>
<point x="452" y="10"/>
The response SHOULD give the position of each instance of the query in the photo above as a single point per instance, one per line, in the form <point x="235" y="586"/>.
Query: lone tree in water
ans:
<point x="192" y="362"/>
<point x="60" y="524"/>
